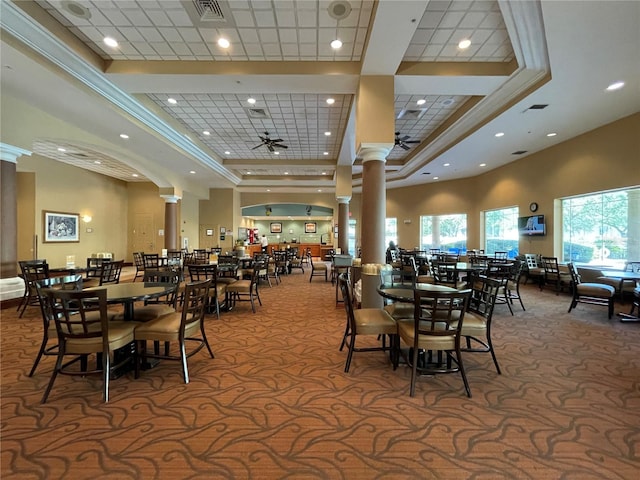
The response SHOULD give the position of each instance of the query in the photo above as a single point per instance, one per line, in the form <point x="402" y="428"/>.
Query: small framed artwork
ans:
<point x="276" y="227"/>
<point x="310" y="227"/>
<point x="209" y="232"/>
<point x="223" y="230"/>
<point x="60" y="227"/>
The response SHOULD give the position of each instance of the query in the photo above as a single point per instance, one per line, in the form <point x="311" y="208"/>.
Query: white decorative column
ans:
<point x="171" y="222"/>
<point x="11" y="286"/>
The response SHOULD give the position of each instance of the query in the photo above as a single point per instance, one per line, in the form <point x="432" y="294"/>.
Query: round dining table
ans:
<point x="131" y="292"/>
<point x="404" y="292"/>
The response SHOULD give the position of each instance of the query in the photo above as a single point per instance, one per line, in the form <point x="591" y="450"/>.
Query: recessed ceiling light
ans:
<point x="286" y="173"/>
<point x="227" y="152"/>
<point x="324" y="173"/>
<point x="134" y="175"/>
<point x="615" y="86"/>
<point x="172" y="101"/>
<point x="331" y="101"/>
<point x="464" y="44"/>
<point x="552" y="134"/>
<point x="500" y="134"/>
<point x="328" y="134"/>
<point x="483" y="164"/>
<point x="422" y="101"/>
<point x="206" y="132"/>
<point x="336" y="44"/>
<point x="268" y="189"/>
<point x="223" y="43"/>
<point x="187" y="136"/>
<point x="97" y="162"/>
<point x="436" y="178"/>
<point x="110" y="42"/>
<point x="325" y="153"/>
<point x="319" y="189"/>
<point x="124" y="135"/>
<point x="276" y="153"/>
<point x="248" y="173"/>
<point x="62" y="149"/>
<point x="192" y="172"/>
<point x="252" y="101"/>
<point x="446" y="164"/>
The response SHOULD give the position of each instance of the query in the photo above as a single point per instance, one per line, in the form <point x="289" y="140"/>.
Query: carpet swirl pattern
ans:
<point x="276" y="404"/>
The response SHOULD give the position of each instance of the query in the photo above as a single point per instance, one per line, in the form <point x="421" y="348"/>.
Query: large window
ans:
<point x="390" y="231"/>
<point x="446" y="232"/>
<point x="501" y="231"/>
<point x="602" y="228"/>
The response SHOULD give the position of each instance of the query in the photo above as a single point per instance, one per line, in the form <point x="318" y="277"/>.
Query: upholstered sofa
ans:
<point x="594" y="275"/>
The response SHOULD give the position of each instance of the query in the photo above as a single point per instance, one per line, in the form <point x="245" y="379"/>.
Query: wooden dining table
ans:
<point x="622" y="276"/>
<point x="404" y="293"/>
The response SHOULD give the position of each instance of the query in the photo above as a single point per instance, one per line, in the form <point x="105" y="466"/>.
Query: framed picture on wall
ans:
<point x="310" y="227"/>
<point x="276" y="227"/>
<point x="60" y="227"/>
<point x="209" y="232"/>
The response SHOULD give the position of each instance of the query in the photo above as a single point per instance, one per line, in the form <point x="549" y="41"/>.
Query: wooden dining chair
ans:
<point x="81" y="333"/>
<point x="32" y="271"/>
<point x="49" y="344"/>
<point x="180" y="328"/>
<point x="435" y="328"/>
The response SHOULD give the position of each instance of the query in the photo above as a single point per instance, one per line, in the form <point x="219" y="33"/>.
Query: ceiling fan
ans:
<point x="270" y="143"/>
<point x="404" y="141"/>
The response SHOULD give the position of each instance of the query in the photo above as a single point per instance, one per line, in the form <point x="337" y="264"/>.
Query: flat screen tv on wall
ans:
<point x="533" y="225"/>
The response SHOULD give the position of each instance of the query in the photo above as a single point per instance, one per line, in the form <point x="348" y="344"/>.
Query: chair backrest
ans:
<point x="69" y="282"/>
<point x="161" y="276"/>
<point x="550" y="265"/>
<point x="33" y="271"/>
<point x="226" y="259"/>
<point x="138" y="260"/>
<point x="531" y="259"/>
<point x="110" y="272"/>
<point x="72" y="312"/>
<point x="200" y="255"/>
<point x="445" y="273"/>
<point x="483" y="296"/>
<point x="575" y="276"/>
<point x="347" y="297"/>
<point x="501" y="255"/>
<point x="174" y="254"/>
<point x="151" y="260"/>
<point x="499" y="269"/>
<point x="196" y="295"/>
<point x="439" y="313"/>
<point x="199" y="273"/>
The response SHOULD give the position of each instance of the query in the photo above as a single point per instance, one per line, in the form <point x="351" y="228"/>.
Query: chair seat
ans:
<point x="320" y="266"/>
<point x="239" y="286"/>
<point x="165" y="329"/>
<point x="374" y="321"/>
<point x="120" y="334"/>
<point x="226" y="280"/>
<point x="474" y="325"/>
<point x="406" y="331"/>
<point x="596" y="290"/>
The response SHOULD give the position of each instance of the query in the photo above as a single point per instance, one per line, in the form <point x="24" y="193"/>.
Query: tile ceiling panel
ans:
<point x="299" y="120"/>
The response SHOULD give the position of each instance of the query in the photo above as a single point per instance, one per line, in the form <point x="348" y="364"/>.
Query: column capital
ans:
<point x="374" y="151"/>
<point x="9" y="153"/>
<point x="171" y="198"/>
<point x="343" y="199"/>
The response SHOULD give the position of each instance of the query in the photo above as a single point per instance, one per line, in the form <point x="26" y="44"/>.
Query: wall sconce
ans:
<point x="86" y="218"/>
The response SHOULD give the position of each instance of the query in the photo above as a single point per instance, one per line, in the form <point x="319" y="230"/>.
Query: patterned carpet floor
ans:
<point x="276" y="404"/>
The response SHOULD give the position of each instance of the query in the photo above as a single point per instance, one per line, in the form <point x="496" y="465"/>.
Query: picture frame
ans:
<point x="209" y="232"/>
<point x="310" y="227"/>
<point x="60" y="227"/>
<point x="275" y="227"/>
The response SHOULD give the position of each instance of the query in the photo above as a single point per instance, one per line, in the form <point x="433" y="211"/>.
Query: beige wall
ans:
<point x="26" y="215"/>
<point x="62" y="188"/>
<point x="604" y="159"/>
<point x="190" y="214"/>
<point x="146" y="209"/>
<point x="218" y="211"/>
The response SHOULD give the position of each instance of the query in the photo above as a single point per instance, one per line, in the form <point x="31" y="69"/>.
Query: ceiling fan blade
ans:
<point x="276" y="140"/>
<point x="257" y="146"/>
<point x="270" y="147"/>
<point x="402" y="145"/>
<point x="412" y="141"/>
<point x="405" y="138"/>
<point x="279" y="145"/>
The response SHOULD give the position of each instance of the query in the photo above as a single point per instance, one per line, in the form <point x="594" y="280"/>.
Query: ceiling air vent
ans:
<point x="538" y="106"/>
<point x="205" y="13"/>
<point x="81" y="156"/>
<point x="257" y="113"/>
<point x="411" y="114"/>
<point x="519" y="152"/>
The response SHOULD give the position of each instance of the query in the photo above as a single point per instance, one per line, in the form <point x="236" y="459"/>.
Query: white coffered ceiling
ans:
<point x="557" y="53"/>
